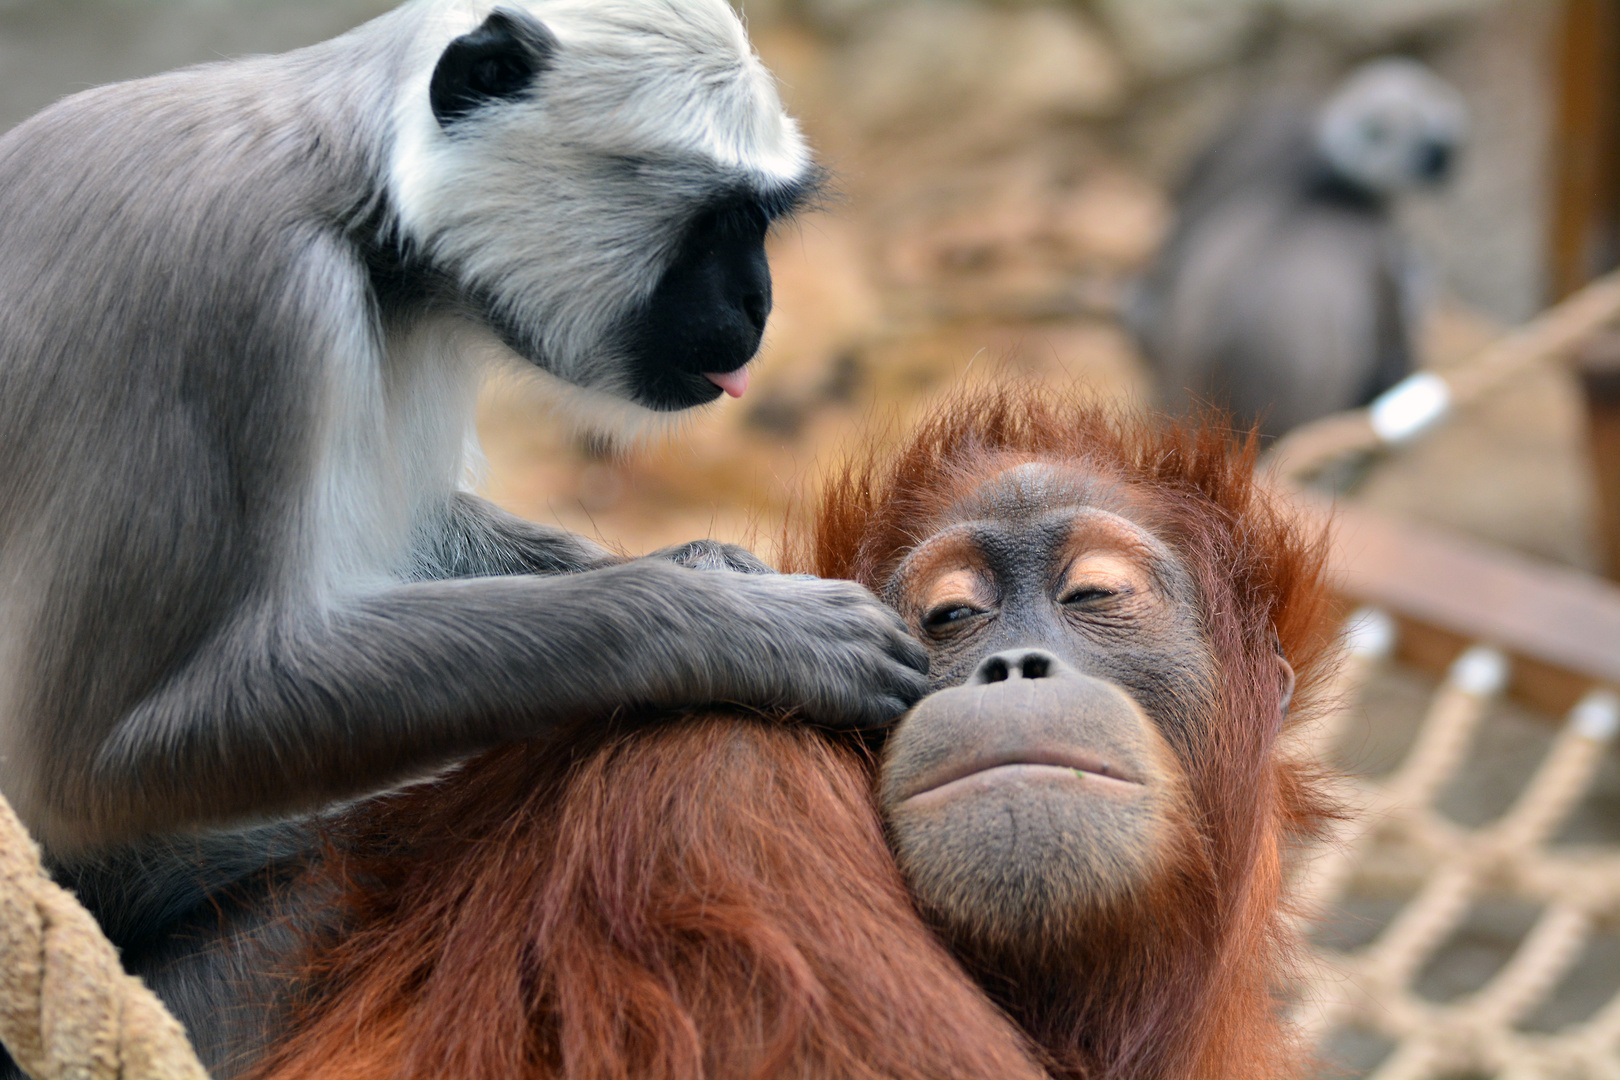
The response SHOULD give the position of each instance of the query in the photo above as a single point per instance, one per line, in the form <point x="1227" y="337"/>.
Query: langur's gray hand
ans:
<point x="713" y="555"/>
<point x="827" y="650"/>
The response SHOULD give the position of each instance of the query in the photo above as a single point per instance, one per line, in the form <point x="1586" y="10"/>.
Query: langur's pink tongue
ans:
<point x="732" y="382"/>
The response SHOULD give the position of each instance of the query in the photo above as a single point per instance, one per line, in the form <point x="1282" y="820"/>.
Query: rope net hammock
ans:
<point x="1399" y="844"/>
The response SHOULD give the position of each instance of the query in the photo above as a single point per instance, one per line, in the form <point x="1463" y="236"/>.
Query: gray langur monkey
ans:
<point x="1284" y="290"/>
<point x="243" y="310"/>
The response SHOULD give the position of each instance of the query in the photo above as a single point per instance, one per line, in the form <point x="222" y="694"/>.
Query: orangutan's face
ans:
<point x="1041" y="781"/>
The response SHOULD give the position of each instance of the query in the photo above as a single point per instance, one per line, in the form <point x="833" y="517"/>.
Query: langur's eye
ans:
<point x="745" y="220"/>
<point x="948" y="616"/>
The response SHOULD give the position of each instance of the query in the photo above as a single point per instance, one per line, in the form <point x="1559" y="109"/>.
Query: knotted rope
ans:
<point x="1400" y="843"/>
<point x="68" y="1010"/>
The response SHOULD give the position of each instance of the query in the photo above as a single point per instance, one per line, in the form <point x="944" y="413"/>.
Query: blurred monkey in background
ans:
<point x="1284" y="291"/>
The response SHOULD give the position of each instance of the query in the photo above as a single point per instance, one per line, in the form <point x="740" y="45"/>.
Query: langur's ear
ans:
<point x="498" y="61"/>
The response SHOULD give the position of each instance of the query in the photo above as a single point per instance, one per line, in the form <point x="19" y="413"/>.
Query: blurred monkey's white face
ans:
<point x="1393" y="124"/>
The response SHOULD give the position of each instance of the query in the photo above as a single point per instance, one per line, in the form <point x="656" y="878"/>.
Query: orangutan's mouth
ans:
<point x="1033" y="764"/>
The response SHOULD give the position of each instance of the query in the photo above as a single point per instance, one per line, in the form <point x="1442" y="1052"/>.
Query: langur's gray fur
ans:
<point x="242" y="313"/>
<point x="1284" y="290"/>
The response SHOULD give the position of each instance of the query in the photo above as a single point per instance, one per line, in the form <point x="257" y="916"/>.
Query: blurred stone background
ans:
<point x="1002" y="170"/>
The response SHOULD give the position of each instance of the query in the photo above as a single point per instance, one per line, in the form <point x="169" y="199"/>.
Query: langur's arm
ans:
<point x="478" y="539"/>
<point x="289" y="711"/>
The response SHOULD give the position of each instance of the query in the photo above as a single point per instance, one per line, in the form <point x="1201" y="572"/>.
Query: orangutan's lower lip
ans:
<point x="734" y="383"/>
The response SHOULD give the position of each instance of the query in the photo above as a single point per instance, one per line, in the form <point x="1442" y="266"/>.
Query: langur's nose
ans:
<point x="757" y="306"/>
<point x="1015" y="664"/>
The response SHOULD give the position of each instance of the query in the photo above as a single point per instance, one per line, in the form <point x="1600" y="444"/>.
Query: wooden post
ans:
<point x="1585" y="230"/>
<point x="1598" y="363"/>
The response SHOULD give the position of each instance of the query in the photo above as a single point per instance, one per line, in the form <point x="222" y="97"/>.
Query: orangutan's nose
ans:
<point x="1016" y="664"/>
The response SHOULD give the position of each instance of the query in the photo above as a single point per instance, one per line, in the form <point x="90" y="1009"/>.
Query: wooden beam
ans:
<point x="1549" y="614"/>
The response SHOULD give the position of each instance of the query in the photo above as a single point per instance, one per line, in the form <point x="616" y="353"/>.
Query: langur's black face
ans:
<point x="706" y="318"/>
